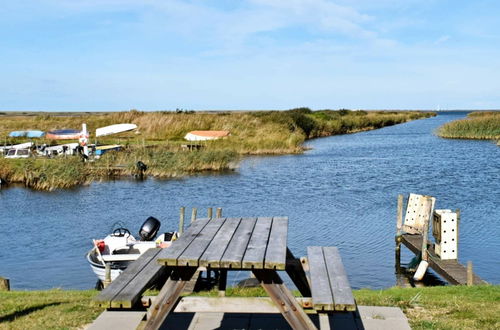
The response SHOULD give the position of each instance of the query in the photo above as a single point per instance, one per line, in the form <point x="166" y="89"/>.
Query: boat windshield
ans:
<point x="11" y="152"/>
<point x="22" y="152"/>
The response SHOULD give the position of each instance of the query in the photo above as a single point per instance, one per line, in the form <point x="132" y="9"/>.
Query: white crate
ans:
<point x="445" y="231"/>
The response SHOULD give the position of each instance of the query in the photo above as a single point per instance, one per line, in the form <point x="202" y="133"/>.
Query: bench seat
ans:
<point x="125" y="291"/>
<point x="330" y="288"/>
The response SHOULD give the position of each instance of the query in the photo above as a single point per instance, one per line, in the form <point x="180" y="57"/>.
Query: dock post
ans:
<point x="425" y="234"/>
<point x="193" y="214"/>
<point x="107" y="275"/>
<point x="399" y="231"/>
<point x="470" y="274"/>
<point x="222" y="282"/>
<point x="457" y="211"/>
<point x="218" y="212"/>
<point x="4" y="284"/>
<point x="209" y="213"/>
<point x="181" y="220"/>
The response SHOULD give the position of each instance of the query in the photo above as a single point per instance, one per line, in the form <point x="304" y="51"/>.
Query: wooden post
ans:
<point x="181" y="220"/>
<point x="425" y="234"/>
<point x="209" y="213"/>
<point x="399" y="232"/>
<point x="107" y="275"/>
<point x="222" y="282"/>
<point x="457" y="211"/>
<point x="218" y="212"/>
<point x="470" y="274"/>
<point x="193" y="214"/>
<point x="4" y="284"/>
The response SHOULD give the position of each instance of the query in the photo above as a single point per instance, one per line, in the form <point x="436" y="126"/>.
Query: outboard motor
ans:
<point x="149" y="229"/>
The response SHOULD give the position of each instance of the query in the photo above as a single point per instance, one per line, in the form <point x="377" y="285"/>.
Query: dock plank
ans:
<point x="214" y="252"/>
<point x="236" y="248"/>
<point x="339" y="283"/>
<point x="320" y="285"/>
<point x="256" y="249"/>
<point x="192" y="254"/>
<point x="168" y="257"/>
<point x="451" y="270"/>
<point x="276" y="248"/>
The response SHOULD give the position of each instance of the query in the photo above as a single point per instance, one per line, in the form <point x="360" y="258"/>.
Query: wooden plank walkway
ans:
<point x="452" y="271"/>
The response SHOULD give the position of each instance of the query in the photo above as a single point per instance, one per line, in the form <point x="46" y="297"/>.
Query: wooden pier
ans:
<point x="413" y="233"/>
<point x="451" y="270"/>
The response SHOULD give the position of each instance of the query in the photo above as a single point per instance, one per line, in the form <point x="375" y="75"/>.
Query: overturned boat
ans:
<point x="120" y="248"/>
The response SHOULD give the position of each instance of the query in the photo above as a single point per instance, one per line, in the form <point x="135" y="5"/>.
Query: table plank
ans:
<point x="214" y="252"/>
<point x="276" y="247"/>
<point x="256" y="249"/>
<point x="192" y="254"/>
<point x="236" y="248"/>
<point x="341" y="289"/>
<point x="168" y="257"/>
<point x="320" y="284"/>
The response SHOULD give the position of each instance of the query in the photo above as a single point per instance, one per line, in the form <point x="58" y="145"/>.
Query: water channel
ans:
<point x="341" y="192"/>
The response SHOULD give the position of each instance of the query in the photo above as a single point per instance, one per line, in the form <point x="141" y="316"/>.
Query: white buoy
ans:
<point x="421" y="269"/>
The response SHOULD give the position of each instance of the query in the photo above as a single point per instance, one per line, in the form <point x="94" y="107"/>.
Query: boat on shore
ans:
<point x="64" y="134"/>
<point x="120" y="248"/>
<point x="114" y="129"/>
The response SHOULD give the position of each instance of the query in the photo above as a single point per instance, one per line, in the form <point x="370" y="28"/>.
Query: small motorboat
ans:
<point x="120" y="248"/>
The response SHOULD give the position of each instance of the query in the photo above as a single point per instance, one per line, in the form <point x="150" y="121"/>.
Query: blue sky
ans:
<point x="254" y="54"/>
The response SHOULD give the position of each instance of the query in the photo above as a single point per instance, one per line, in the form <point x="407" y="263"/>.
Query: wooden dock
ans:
<point x="451" y="270"/>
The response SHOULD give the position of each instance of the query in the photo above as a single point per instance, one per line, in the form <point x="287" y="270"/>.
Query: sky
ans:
<point x="97" y="55"/>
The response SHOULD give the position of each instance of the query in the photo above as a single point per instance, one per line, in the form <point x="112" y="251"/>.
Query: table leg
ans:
<point x="222" y="282"/>
<point x="283" y="299"/>
<point x="168" y="296"/>
<point x="297" y="275"/>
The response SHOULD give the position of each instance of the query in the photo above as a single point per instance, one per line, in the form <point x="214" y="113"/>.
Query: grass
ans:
<point x="477" y="125"/>
<point x="160" y="139"/>
<point x="449" y="307"/>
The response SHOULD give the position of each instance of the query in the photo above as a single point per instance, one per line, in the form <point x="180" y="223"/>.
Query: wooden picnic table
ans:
<point x="226" y="244"/>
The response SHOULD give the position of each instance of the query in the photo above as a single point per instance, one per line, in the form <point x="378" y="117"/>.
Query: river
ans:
<point x="342" y="192"/>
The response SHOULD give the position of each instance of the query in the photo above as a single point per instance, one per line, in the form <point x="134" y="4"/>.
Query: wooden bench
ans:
<point x="330" y="288"/>
<point x="126" y="290"/>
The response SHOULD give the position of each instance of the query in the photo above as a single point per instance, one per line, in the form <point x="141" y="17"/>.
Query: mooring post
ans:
<point x="107" y="275"/>
<point x="399" y="231"/>
<point x="457" y="211"/>
<point x="222" y="282"/>
<point x="4" y="284"/>
<point x="209" y="213"/>
<point x="470" y="274"/>
<point x="425" y="234"/>
<point x="193" y="214"/>
<point x="181" y="220"/>
<point x="218" y="212"/>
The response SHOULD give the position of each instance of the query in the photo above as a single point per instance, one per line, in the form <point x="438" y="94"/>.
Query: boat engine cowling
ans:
<point x="149" y="229"/>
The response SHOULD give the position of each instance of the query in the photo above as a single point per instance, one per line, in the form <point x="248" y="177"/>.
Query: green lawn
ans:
<point x="452" y="307"/>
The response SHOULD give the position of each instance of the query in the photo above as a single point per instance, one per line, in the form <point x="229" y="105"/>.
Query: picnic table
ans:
<point x="255" y="244"/>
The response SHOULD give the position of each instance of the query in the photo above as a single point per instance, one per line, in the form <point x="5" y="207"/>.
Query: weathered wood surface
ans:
<point x="231" y="243"/>
<point x="214" y="252"/>
<point x="450" y="270"/>
<point x="168" y="257"/>
<point x="127" y="287"/>
<point x="276" y="246"/>
<point x="256" y="249"/>
<point x="236" y="249"/>
<point x="418" y="211"/>
<point x="329" y="284"/>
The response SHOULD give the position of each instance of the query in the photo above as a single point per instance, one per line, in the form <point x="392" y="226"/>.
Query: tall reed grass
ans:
<point x="160" y="136"/>
<point x="477" y="125"/>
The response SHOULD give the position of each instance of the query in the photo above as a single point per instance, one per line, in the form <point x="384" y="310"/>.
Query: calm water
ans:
<point x="342" y="192"/>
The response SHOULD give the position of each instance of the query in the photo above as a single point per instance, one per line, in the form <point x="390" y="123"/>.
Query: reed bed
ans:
<point x="477" y="125"/>
<point x="159" y="139"/>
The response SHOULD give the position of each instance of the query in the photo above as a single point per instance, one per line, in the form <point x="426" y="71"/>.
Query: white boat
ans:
<point x="114" y="129"/>
<point x="120" y="248"/>
<point x="27" y="145"/>
<point x="18" y="153"/>
<point x="61" y="149"/>
<point x="206" y="135"/>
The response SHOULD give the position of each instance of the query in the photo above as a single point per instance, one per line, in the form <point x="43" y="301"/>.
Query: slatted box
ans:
<point x="445" y="231"/>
